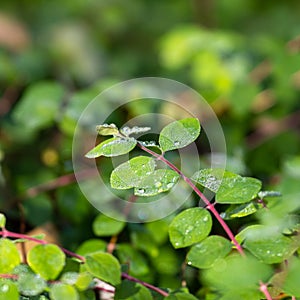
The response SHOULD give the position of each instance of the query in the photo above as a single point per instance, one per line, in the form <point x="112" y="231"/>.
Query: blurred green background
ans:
<point x="55" y="56"/>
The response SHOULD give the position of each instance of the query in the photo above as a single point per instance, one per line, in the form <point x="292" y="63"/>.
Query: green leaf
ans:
<point x="46" y="260"/>
<point x="161" y="180"/>
<point x="84" y="280"/>
<point x="204" y="254"/>
<point x="129" y="174"/>
<point x="229" y="187"/>
<point x="104" y="266"/>
<point x="166" y="262"/>
<point x="179" y="134"/>
<point x="9" y="257"/>
<point x="112" y="147"/>
<point x="107" y="129"/>
<point x="129" y="290"/>
<point x="236" y="273"/>
<point x="181" y="296"/>
<point x="91" y="246"/>
<point x="8" y="290"/>
<point x="190" y="227"/>
<point x="134" y="130"/>
<point x="61" y="291"/>
<point x="239" y="211"/>
<point x="2" y="220"/>
<point x="106" y="226"/>
<point x="291" y="284"/>
<point x="39" y="106"/>
<point x="136" y="262"/>
<point x="30" y="284"/>
<point x="267" y="244"/>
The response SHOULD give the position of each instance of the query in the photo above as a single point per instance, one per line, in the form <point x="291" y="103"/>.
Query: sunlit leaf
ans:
<point x="161" y="180"/>
<point x="2" y="220"/>
<point x="239" y="211"/>
<point x="9" y="257"/>
<point x="130" y="173"/>
<point x="8" y="290"/>
<point x="61" y="291"/>
<point x="104" y="266"/>
<point x="112" y="147"/>
<point x="189" y="227"/>
<point x="179" y="134"/>
<point x="229" y="187"/>
<point x="107" y="129"/>
<point x="206" y="253"/>
<point x="46" y="260"/>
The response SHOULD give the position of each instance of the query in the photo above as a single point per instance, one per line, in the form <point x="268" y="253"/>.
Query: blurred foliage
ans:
<point x="55" y="56"/>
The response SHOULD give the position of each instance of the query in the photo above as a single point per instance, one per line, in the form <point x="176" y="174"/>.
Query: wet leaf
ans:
<point x="130" y="173"/>
<point x="189" y="227"/>
<point x="107" y="129"/>
<point x="239" y="211"/>
<point x="8" y="290"/>
<point x="179" y="134"/>
<point x="161" y="180"/>
<point x="268" y="244"/>
<point x="30" y="284"/>
<point x="112" y="147"/>
<point x="204" y="254"/>
<point x="229" y="187"/>
<point x="291" y="283"/>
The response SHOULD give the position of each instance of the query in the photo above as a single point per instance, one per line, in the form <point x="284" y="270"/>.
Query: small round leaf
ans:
<point x="61" y="291"/>
<point x="106" y="226"/>
<point x="8" y="290"/>
<point x="179" y="134"/>
<point x="9" y="257"/>
<point x="204" y="254"/>
<point x="46" y="260"/>
<point x="104" y="266"/>
<point x="190" y="227"/>
<point x="30" y="284"/>
<point x="112" y="147"/>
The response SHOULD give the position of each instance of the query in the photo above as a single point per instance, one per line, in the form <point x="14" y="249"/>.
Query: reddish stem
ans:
<point x="264" y="289"/>
<point x="209" y="205"/>
<point x="148" y="285"/>
<point x="5" y="233"/>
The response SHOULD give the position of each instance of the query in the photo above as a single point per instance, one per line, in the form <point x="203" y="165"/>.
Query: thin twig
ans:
<point x="264" y="289"/>
<point x="209" y="205"/>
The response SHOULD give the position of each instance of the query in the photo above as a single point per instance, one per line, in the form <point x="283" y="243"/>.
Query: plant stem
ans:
<point x="209" y="205"/>
<point x="264" y="289"/>
<point x="5" y="233"/>
<point x="150" y="286"/>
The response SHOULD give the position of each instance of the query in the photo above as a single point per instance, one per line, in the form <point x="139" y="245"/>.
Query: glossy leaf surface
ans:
<point x="189" y="227"/>
<point x="179" y="134"/>
<point x="112" y="147"/>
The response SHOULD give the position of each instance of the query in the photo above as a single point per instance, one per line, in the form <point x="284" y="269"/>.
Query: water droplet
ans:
<point x="158" y="184"/>
<point x="205" y="219"/>
<point x="141" y="191"/>
<point x="176" y="143"/>
<point x="4" y="288"/>
<point x="169" y="185"/>
<point x="176" y="244"/>
<point x="268" y="252"/>
<point x="279" y="254"/>
<point x="189" y="262"/>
